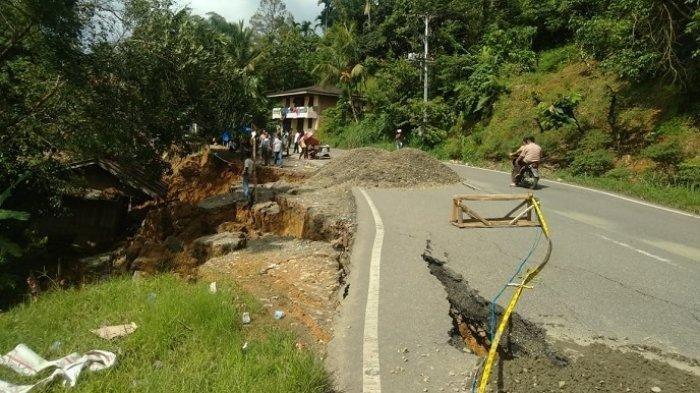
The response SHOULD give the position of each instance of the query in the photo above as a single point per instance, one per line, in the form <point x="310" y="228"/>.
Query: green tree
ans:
<point x="339" y="63"/>
<point x="271" y="16"/>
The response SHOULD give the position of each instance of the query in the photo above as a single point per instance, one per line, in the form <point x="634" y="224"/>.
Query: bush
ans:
<point x="620" y="173"/>
<point x="594" y="163"/>
<point x="667" y="153"/>
<point x="595" y="140"/>
<point x="554" y="59"/>
<point x="451" y="149"/>
<point x="689" y="173"/>
<point x="368" y="131"/>
<point x="470" y="152"/>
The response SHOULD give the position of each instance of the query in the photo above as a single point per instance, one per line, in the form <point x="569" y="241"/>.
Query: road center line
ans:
<point x="648" y="254"/>
<point x="371" y="378"/>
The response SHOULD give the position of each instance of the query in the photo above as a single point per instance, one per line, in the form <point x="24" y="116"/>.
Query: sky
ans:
<point x="235" y="10"/>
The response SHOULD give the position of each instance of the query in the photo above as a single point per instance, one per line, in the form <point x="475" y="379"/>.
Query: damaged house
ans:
<point x="99" y="201"/>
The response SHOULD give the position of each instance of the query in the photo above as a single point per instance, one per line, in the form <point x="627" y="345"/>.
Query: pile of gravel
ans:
<point x="371" y="167"/>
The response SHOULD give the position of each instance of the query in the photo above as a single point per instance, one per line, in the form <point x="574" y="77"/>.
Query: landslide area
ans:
<point x="290" y="246"/>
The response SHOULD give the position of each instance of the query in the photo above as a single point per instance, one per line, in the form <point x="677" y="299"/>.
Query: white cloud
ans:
<point x="235" y="10"/>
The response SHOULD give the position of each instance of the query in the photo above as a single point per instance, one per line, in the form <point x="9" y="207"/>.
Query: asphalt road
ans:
<point x="622" y="272"/>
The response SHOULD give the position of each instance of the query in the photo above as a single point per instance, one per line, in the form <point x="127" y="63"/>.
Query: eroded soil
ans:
<point x="530" y="361"/>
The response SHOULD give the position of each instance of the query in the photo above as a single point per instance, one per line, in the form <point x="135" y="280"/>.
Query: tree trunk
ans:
<point x="352" y="107"/>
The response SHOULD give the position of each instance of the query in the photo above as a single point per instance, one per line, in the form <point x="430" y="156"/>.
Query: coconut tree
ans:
<point x="339" y="62"/>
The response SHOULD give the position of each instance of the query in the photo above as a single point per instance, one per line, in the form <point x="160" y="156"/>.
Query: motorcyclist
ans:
<point x="529" y="153"/>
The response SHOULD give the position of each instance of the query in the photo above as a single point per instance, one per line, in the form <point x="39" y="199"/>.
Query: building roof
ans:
<point x="315" y="89"/>
<point x="132" y="177"/>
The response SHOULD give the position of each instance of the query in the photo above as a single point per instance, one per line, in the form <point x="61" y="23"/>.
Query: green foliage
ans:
<point x="640" y="39"/>
<point x="667" y="153"/>
<point x="619" y="173"/>
<point x="7" y="246"/>
<point x="689" y="173"/>
<point x="594" y="163"/>
<point x="555" y="59"/>
<point x="188" y="339"/>
<point x="560" y="112"/>
<point x="595" y="139"/>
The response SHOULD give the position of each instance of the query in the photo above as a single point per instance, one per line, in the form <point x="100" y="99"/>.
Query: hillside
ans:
<point x="645" y="137"/>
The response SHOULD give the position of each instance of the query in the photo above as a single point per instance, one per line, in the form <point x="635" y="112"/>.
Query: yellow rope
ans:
<point x="529" y="275"/>
<point x="543" y="221"/>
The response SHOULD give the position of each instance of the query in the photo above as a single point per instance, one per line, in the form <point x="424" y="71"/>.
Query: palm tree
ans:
<point x="339" y="62"/>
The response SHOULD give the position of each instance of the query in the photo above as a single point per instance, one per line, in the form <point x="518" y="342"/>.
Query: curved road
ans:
<point x="622" y="272"/>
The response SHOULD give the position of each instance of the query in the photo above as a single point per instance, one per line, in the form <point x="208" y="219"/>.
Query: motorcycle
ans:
<point x="529" y="176"/>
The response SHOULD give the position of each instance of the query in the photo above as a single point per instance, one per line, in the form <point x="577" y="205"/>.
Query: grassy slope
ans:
<point x="644" y="113"/>
<point x="188" y="340"/>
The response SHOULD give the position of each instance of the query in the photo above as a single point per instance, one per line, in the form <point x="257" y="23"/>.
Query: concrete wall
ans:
<point x="320" y="102"/>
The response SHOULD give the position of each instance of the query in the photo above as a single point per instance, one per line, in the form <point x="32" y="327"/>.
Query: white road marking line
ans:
<point x="469" y="185"/>
<point x="610" y="194"/>
<point x="371" y="378"/>
<point x="648" y="254"/>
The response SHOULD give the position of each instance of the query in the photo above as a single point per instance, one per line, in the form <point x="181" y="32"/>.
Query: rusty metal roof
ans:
<point x="331" y="91"/>
<point x="135" y="178"/>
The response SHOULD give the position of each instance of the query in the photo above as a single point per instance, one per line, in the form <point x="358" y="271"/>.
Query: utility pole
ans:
<point x="425" y="73"/>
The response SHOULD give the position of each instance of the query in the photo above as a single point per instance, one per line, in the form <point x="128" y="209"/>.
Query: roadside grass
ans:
<point x="188" y="339"/>
<point x="683" y="198"/>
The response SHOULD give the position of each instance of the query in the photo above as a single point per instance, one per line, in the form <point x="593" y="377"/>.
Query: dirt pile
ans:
<point x="371" y="167"/>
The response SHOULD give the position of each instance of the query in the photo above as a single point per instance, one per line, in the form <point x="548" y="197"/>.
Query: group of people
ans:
<point x="272" y="148"/>
<point x="269" y="147"/>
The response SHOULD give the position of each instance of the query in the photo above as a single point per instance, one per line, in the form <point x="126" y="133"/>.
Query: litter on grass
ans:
<point x="26" y="362"/>
<point x="245" y="319"/>
<point x="110" y="332"/>
<point x="212" y="287"/>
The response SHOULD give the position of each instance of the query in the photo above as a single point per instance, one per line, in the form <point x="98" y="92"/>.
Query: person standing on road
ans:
<point x="398" y="139"/>
<point x="277" y="149"/>
<point x="529" y="153"/>
<point x="285" y="141"/>
<point x="265" y="147"/>
<point x="248" y="168"/>
<point x="297" y="140"/>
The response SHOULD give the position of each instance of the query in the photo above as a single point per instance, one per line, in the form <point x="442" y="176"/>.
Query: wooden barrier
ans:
<point x="464" y="216"/>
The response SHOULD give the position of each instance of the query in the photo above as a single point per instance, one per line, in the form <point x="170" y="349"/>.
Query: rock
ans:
<point x="121" y="263"/>
<point x="147" y="264"/>
<point x="219" y="244"/>
<point x="173" y="244"/>
<point x="133" y="251"/>
<point x="656" y="389"/>
<point x="228" y="226"/>
<point x="266" y="216"/>
<point x="96" y="262"/>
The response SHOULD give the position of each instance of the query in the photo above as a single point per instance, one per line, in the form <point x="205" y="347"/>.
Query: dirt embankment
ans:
<point x="291" y="247"/>
<point x="529" y="362"/>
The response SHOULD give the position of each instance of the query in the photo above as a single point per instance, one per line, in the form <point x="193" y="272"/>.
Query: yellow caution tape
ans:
<point x="497" y="338"/>
<point x="529" y="275"/>
<point x="543" y="221"/>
